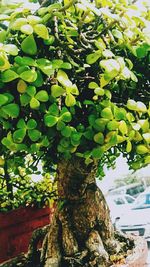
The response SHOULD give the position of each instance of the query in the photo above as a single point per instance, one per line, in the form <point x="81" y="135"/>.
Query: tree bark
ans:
<point x="81" y="233"/>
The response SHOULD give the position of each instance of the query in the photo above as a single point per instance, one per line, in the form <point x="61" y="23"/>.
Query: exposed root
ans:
<point x="53" y="250"/>
<point x="96" y="248"/>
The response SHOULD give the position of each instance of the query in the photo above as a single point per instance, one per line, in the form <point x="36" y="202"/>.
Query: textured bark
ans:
<point x="81" y="233"/>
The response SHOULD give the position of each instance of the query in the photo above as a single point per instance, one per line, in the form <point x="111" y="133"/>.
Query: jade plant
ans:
<point x="74" y="91"/>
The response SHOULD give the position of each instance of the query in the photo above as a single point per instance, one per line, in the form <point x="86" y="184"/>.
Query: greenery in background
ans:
<point x="25" y="192"/>
<point x="75" y="81"/>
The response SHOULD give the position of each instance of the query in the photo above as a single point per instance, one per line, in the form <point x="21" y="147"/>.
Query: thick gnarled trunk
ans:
<point x="81" y="233"/>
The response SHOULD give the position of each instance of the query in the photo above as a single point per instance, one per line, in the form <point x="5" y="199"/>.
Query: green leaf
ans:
<point x="9" y="96"/>
<point x="47" y="70"/>
<point x="70" y="100"/>
<point x="123" y="127"/>
<point x="27" y="29"/>
<point x="131" y="104"/>
<point x="60" y="125"/>
<point x="66" y="131"/>
<point x="50" y="120"/>
<point x="16" y="25"/>
<point x="62" y="78"/>
<point x="19" y="135"/>
<point x="42" y="31"/>
<point x="120" y="113"/>
<point x="34" y="103"/>
<point x="25" y="99"/>
<point x="66" y="117"/>
<point x="73" y="90"/>
<point x="99" y="138"/>
<point x="93" y="85"/>
<point x="117" y="34"/>
<point x="99" y="91"/>
<point x="42" y="96"/>
<point x="31" y="124"/>
<point x="3" y="35"/>
<point x="12" y="110"/>
<point x="33" y="19"/>
<point x="56" y="63"/>
<point x="3" y="99"/>
<point x="21" y="124"/>
<point x="39" y="81"/>
<point x="142" y="149"/>
<point x="92" y="58"/>
<point x="146" y="137"/>
<point x="34" y="135"/>
<point x="11" y="49"/>
<point x="142" y="50"/>
<point x="53" y="110"/>
<point x="107" y="113"/>
<point x="57" y="90"/>
<point x="66" y="65"/>
<point x="112" y="125"/>
<point x="29" y="46"/>
<point x="8" y="76"/>
<point x="128" y="146"/>
<point x="31" y="90"/>
<point x="98" y="152"/>
<point x="75" y="138"/>
<point x="29" y="76"/>
<point x="27" y="61"/>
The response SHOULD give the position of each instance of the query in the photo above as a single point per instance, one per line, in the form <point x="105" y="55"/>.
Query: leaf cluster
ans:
<point x="75" y="80"/>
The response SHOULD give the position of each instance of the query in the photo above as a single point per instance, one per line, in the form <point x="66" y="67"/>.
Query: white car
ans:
<point x="118" y="204"/>
<point x="137" y="220"/>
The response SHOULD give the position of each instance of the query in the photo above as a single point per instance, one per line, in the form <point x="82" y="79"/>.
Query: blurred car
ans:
<point x="118" y="204"/>
<point x="137" y="219"/>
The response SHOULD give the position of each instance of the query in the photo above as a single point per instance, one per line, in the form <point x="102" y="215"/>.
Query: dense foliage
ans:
<point x="75" y="80"/>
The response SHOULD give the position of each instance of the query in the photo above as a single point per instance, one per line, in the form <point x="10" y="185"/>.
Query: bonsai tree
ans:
<point x="74" y="91"/>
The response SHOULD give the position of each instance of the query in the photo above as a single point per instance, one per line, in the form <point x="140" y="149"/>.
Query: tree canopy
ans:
<point x="74" y="80"/>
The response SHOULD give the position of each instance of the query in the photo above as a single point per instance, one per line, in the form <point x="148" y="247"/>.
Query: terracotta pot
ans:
<point x="138" y="256"/>
<point x="16" y="229"/>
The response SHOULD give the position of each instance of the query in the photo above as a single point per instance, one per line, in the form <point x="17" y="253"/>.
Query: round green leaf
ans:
<point x="27" y="29"/>
<point x="12" y="110"/>
<point x="25" y="99"/>
<point x="19" y="135"/>
<point x="29" y="76"/>
<point x="34" y="135"/>
<point x="11" y="49"/>
<point x="107" y="113"/>
<point x="70" y="100"/>
<point x="3" y="99"/>
<point x="57" y="90"/>
<point x="142" y="149"/>
<point x="42" y="96"/>
<point x="99" y="138"/>
<point x="16" y="25"/>
<point x="97" y="153"/>
<point x="66" y="131"/>
<point x="34" y="103"/>
<point x="92" y="58"/>
<point x="8" y="76"/>
<point x="50" y="120"/>
<point x="66" y="116"/>
<point x="21" y="124"/>
<point x="29" y="46"/>
<point x="31" y="124"/>
<point x="42" y="31"/>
